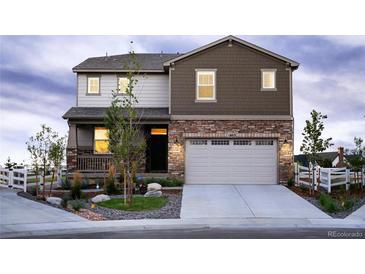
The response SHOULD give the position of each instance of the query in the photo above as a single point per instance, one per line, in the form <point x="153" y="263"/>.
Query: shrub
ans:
<point x="110" y="187"/>
<point x="303" y="187"/>
<point x="65" y="199"/>
<point x="76" y="205"/>
<point x="290" y="182"/>
<point x="33" y="191"/>
<point x="76" y="186"/>
<point x="84" y="184"/>
<point x="65" y="184"/>
<point x="349" y="203"/>
<point x="165" y="182"/>
<point x="328" y="203"/>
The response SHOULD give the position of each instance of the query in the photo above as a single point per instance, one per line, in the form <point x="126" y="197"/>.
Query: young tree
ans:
<point x="9" y="164"/>
<point x="56" y="156"/>
<point x="313" y="143"/>
<point x="39" y="147"/>
<point x="35" y="156"/>
<point x="126" y="140"/>
<point x="357" y="158"/>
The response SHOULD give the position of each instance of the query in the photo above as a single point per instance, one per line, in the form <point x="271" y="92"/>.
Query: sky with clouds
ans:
<point x="37" y="85"/>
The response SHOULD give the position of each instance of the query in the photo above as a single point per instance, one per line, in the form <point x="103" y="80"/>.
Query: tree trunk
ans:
<point x="44" y="183"/>
<point x="130" y="189"/>
<point x="36" y="184"/>
<point x="50" y="189"/>
<point x="125" y="185"/>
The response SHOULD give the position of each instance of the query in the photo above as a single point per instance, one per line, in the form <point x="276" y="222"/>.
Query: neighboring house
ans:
<point x="220" y="114"/>
<point x="336" y="158"/>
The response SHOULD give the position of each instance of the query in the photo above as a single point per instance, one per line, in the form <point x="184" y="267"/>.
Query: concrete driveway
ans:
<point x="245" y="201"/>
<point x="15" y="210"/>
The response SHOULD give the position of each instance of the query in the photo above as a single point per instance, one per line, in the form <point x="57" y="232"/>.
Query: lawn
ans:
<point x="139" y="203"/>
<point x="48" y="179"/>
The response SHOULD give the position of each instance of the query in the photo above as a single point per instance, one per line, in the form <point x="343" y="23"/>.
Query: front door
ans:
<point x="157" y="147"/>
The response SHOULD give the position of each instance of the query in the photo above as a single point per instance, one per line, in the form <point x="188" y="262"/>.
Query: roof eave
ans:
<point x="116" y="70"/>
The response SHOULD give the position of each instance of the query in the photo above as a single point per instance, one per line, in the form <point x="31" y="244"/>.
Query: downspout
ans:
<point x="169" y="90"/>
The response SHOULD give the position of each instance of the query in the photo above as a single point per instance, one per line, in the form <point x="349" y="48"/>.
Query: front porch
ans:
<point x="87" y="147"/>
<point x="86" y="159"/>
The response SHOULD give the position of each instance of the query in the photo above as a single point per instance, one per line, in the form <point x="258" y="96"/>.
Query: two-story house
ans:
<point x="220" y="114"/>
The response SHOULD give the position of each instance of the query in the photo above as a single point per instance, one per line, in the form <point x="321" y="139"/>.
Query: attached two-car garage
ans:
<point x="231" y="161"/>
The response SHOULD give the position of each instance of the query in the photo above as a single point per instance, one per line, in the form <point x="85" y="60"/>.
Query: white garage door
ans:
<point x="225" y="161"/>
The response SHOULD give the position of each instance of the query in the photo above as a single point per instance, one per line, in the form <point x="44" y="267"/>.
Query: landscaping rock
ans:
<point x="54" y="201"/>
<point x="153" y="194"/>
<point x="154" y="186"/>
<point x="100" y="198"/>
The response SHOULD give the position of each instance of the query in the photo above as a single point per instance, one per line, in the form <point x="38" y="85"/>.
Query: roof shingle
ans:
<point x="147" y="61"/>
<point x="98" y="113"/>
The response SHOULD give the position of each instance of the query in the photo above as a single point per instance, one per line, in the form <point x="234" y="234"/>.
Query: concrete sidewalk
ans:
<point x="358" y="214"/>
<point x="19" y="212"/>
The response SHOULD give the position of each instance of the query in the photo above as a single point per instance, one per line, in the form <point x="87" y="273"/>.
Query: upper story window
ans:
<point x="101" y="140"/>
<point x="93" y="85"/>
<point x="205" y="85"/>
<point x="123" y="83"/>
<point x="268" y="79"/>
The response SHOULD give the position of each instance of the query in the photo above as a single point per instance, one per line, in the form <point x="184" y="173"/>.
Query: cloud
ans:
<point x="347" y="40"/>
<point x="340" y="96"/>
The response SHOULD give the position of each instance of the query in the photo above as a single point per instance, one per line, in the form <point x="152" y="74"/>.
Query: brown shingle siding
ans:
<point x="238" y="83"/>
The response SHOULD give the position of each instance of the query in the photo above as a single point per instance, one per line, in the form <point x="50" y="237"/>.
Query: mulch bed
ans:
<point x="170" y="211"/>
<point x="88" y="214"/>
<point x="358" y="194"/>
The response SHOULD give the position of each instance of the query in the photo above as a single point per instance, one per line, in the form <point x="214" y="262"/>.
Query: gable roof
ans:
<point x="302" y="158"/>
<point x="292" y="63"/>
<point x="152" y="62"/>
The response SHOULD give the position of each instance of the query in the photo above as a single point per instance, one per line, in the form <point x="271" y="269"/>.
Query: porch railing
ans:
<point x="93" y="163"/>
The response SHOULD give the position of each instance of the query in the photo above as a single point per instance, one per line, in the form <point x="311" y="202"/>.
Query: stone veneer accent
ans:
<point x="71" y="159"/>
<point x="280" y="130"/>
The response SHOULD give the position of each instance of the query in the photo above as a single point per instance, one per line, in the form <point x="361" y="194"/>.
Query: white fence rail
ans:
<point x="16" y="178"/>
<point x="328" y="178"/>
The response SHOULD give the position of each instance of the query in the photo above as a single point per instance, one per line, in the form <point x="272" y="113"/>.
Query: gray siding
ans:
<point x="151" y="90"/>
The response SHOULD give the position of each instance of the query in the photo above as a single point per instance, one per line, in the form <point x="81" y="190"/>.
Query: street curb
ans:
<point x="178" y="224"/>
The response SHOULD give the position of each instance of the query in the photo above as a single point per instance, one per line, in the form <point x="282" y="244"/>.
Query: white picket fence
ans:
<point x="16" y="178"/>
<point x="327" y="178"/>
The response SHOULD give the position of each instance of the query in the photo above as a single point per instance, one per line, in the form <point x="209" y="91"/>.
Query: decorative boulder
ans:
<point x="100" y="198"/>
<point x="54" y="201"/>
<point x="154" y="193"/>
<point x="154" y="187"/>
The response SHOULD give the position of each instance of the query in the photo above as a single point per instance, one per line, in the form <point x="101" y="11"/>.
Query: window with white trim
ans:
<point x="123" y="83"/>
<point x="268" y="79"/>
<point x="93" y="85"/>
<point x="205" y="85"/>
